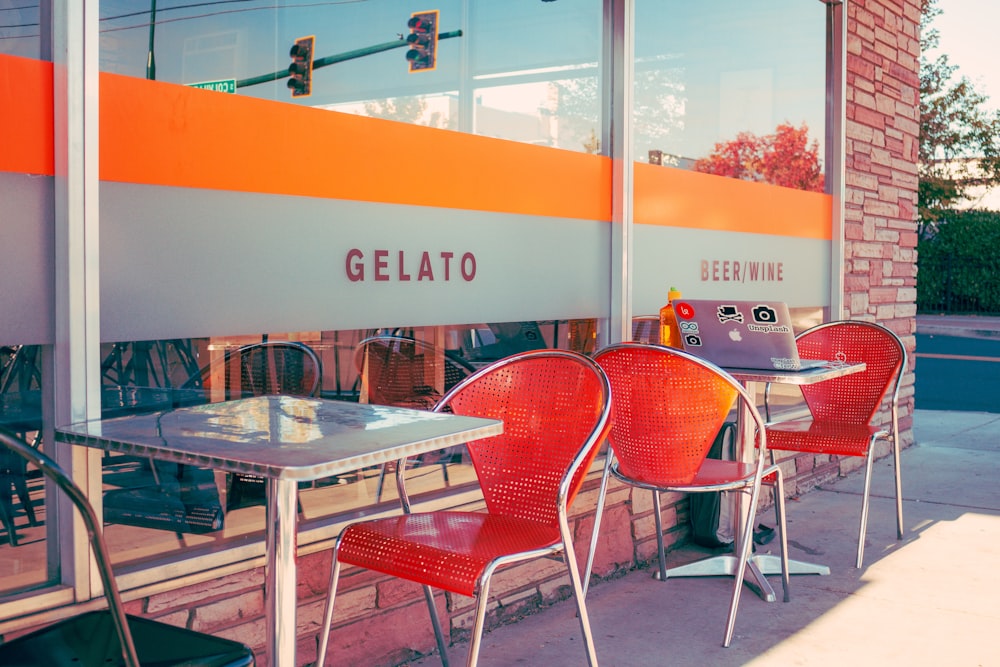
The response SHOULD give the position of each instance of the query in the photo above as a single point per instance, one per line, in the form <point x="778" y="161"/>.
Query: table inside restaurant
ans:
<point x="286" y="440"/>
<point x="762" y="564"/>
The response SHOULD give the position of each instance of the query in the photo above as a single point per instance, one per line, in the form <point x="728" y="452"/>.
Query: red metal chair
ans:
<point x="555" y="406"/>
<point x="107" y="637"/>
<point x="668" y="407"/>
<point x="842" y="409"/>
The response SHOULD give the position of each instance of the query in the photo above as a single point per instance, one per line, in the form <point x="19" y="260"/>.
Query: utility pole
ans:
<point x="150" y="58"/>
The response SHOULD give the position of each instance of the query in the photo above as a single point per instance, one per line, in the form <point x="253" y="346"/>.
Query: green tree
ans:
<point x="959" y="139"/>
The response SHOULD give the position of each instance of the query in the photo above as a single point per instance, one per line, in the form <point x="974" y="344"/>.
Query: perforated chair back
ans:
<point x="405" y="372"/>
<point x="269" y="367"/>
<point x="279" y="367"/>
<point x="552" y="404"/>
<point x="108" y="637"/>
<point x="855" y="398"/>
<point x="555" y="406"/>
<point x="843" y="408"/>
<point x="668" y="409"/>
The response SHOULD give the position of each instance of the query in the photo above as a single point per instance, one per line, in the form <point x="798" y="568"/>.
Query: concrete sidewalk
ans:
<point x="932" y="598"/>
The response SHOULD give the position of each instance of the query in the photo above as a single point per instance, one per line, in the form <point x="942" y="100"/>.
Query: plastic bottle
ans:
<point x="669" y="333"/>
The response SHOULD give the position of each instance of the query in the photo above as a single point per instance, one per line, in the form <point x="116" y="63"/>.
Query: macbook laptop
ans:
<point x="756" y="335"/>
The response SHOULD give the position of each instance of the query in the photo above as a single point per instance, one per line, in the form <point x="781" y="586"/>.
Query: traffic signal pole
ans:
<point x="339" y="58"/>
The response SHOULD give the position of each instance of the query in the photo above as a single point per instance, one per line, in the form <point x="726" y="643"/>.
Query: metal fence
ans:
<point x="950" y="284"/>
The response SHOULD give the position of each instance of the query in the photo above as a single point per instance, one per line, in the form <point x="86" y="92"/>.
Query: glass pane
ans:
<point x="499" y="69"/>
<point x="152" y="508"/>
<point x="24" y="553"/>
<point x="732" y="88"/>
<point x="20" y="28"/>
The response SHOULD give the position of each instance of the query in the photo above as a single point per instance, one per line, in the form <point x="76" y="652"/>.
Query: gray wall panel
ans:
<point x="186" y="263"/>
<point x="27" y="255"/>
<point x="719" y="265"/>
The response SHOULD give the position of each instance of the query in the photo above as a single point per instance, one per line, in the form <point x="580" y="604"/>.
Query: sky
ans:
<point x="968" y="36"/>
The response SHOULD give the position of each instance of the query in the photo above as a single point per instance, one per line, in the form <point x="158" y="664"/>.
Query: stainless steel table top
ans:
<point x="280" y="437"/>
<point x="822" y="373"/>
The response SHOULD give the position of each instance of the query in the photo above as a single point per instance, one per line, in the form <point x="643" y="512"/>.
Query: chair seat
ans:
<point x="447" y="550"/>
<point x="822" y="437"/>
<point x="90" y="640"/>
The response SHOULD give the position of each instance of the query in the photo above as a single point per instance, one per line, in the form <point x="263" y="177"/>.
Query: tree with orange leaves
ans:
<point x="785" y="158"/>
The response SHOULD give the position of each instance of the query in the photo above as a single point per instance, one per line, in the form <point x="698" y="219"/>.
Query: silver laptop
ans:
<point x="756" y="335"/>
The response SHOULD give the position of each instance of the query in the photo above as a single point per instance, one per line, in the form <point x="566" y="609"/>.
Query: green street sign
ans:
<point x="222" y="85"/>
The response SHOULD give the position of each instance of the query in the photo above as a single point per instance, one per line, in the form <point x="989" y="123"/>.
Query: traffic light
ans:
<point x="301" y="70"/>
<point x="423" y="40"/>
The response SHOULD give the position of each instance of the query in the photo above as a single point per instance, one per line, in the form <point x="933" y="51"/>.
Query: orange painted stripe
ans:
<point x="26" y="120"/>
<point x="679" y="198"/>
<point x="166" y="134"/>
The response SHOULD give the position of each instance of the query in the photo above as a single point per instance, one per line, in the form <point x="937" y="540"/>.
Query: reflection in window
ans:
<point x="732" y="89"/>
<point x="153" y="508"/>
<point x="523" y="72"/>
<point x="24" y="558"/>
<point x="20" y="28"/>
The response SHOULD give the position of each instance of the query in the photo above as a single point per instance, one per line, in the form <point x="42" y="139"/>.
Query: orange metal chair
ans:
<point x="668" y="407"/>
<point x="842" y="409"/>
<point x="555" y="406"/>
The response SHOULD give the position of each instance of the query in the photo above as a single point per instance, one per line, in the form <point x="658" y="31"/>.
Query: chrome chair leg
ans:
<point x="660" y="551"/>
<point x="324" y="636"/>
<point x="436" y="623"/>
<point x="743" y="554"/>
<point x="598" y="514"/>
<point x="477" y="629"/>
<point x="781" y="520"/>
<point x="569" y="557"/>
<point x="899" y="486"/>
<point x="864" y="505"/>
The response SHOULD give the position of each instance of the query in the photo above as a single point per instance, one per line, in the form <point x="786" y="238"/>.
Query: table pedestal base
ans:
<point x="755" y="576"/>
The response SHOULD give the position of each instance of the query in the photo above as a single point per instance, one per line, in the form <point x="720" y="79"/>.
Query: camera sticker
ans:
<point x="764" y="314"/>
<point x="728" y="313"/>
<point x="692" y="340"/>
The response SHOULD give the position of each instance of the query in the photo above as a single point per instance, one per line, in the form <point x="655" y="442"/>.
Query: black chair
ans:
<point x="408" y="373"/>
<point x="20" y="378"/>
<point x="268" y="367"/>
<point x="108" y="637"/>
<point x="646" y="329"/>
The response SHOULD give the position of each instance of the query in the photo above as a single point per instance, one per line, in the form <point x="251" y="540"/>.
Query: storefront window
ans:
<point x="24" y="562"/>
<point x="20" y="34"/>
<point x="729" y="132"/>
<point x="732" y="88"/>
<point x="498" y="69"/>
<point x="152" y="508"/>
